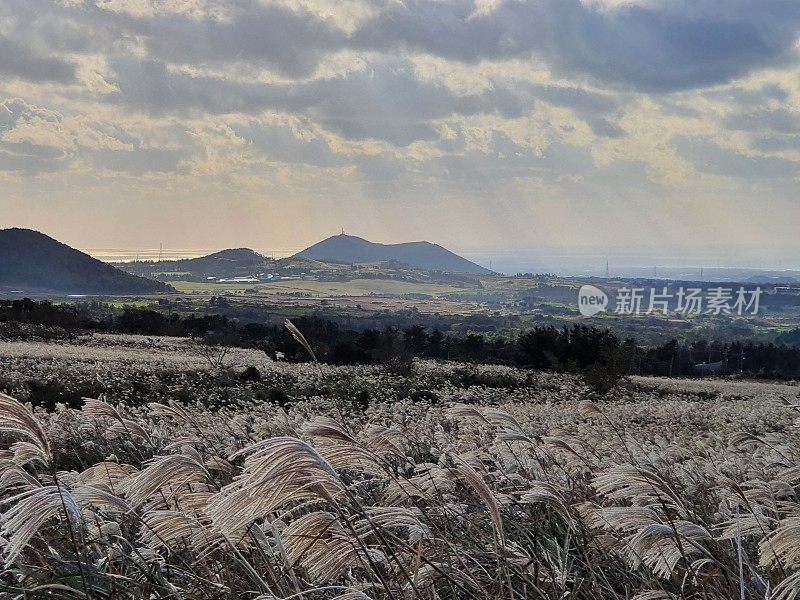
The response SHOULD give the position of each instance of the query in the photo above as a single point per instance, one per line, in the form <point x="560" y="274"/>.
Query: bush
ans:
<point x="250" y="374"/>
<point x="604" y="375"/>
<point x="49" y="393"/>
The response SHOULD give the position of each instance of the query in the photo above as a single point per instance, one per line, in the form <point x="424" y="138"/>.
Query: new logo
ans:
<point x="591" y="300"/>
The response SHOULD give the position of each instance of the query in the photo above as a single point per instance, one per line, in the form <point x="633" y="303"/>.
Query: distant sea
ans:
<point x="563" y="263"/>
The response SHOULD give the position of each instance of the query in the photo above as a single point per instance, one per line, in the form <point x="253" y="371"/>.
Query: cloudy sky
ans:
<point x="651" y="125"/>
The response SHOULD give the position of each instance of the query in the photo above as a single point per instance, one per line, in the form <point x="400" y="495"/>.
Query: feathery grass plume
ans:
<point x="325" y="428"/>
<point x="172" y="411"/>
<point x="543" y="492"/>
<point x="788" y="589"/>
<point x="484" y="492"/>
<point x="29" y="511"/>
<point x="640" y="486"/>
<point x="502" y="419"/>
<point x="386" y="442"/>
<point x="645" y="538"/>
<point x="655" y="595"/>
<point x="301" y="339"/>
<point x="436" y="576"/>
<point x="277" y="457"/>
<point x="465" y="411"/>
<point x="170" y="471"/>
<point x="18" y="420"/>
<point x="747" y="524"/>
<point x="342" y="451"/>
<point x="14" y="478"/>
<point x="431" y="483"/>
<point x="26" y="453"/>
<point x="276" y="471"/>
<point x="120" y="425"/>
<point x="175" y="529"/>
<point x="782" y="545"/>
<point x="572" y="451"/>
<point x="392" y="517"/>
<point x="88" y="496"/>
<point x="324" y="547"/>
<point x="658" y="546"/>
<point x="107" y="475"/>
<point x="590" y="410"/>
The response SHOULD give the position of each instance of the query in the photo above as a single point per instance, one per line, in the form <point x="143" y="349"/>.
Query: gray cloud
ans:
<point x="288" y="41"/>
<point x="776" y="143"/>
<point x="680" y="45"/>
<point x="279" y="143"/>
<point x="709" y="157"/>
<point x="387" y="101"/>
<point x="19" y="61"/>
<point x="664" y="46"/>
<point x="779" y="120"/>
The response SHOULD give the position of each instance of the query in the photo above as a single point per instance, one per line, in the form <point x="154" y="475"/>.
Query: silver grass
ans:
<point x="88" y="496"/>
<point x="484" y="492"/>
<point x="120" y="426"/>
<point x="301" y="339"/>
<point x="276" y="471"/>
<point x="431" y="483"/>
<point x="18" y="420"/>
<point x="348" y="595"/>
<point x="386" y="442"/>
<point x="172" y="470"/>
<point x="174" y="529"/>
<point x="432" y="576"/>
<point x="542" y="492"/>
<point x="324" y="547"/>
<point x="14" y="478"/>
<point x="638" y="485"/>
<point x="788" y="589"/>
<point x="29" y="510"/>
<point x="108" y="475"/>
<point x="325" y="428"/>
<point x="782" y="545"/>
<point x="26" y="453"/>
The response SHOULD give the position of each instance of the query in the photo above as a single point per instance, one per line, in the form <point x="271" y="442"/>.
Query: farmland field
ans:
<point x="356" y="287"/>
<point x="187" y="480"/>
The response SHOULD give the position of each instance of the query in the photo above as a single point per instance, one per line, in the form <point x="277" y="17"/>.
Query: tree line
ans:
<point x="597" y="353"/>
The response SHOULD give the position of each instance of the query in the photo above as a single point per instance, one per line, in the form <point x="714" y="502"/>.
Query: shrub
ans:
<point x="250" y="374"/>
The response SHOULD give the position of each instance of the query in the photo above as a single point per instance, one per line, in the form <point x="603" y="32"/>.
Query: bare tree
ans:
<point x="215" y="349"/>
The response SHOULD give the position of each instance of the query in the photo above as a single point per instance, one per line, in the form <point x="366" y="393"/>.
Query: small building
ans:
<point x="709" y="368"/>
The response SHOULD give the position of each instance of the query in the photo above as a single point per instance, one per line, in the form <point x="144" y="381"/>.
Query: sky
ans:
<point x="660" y="127"/>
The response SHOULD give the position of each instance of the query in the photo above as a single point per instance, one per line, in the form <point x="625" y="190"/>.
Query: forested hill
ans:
<point x="31" y="261"/>
<point x="421" y="255"/>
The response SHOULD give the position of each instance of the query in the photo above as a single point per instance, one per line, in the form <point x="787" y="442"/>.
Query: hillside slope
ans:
<point x="422" y="255"/>
<point x="32" y="261"/>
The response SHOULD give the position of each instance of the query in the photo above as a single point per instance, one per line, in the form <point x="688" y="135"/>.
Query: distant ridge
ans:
<point x="32" y="261"/>
<point x="421" y="255"/>
<point x="225" y="263"/>
<point x="234" y="261"/>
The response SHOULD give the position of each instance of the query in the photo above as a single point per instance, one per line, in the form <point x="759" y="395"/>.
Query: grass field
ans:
<point x="448" y="482"/>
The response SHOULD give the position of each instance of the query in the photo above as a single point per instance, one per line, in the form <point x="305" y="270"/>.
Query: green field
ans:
<point x="320" y="289"/>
